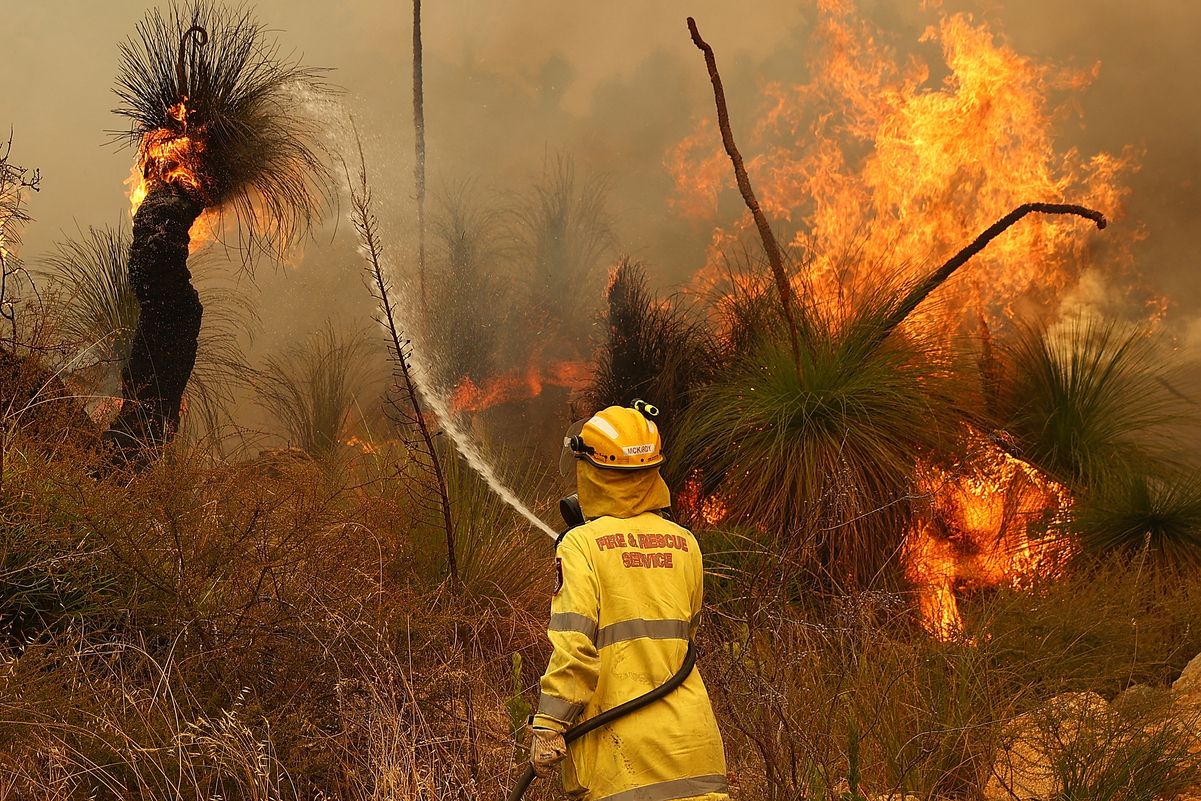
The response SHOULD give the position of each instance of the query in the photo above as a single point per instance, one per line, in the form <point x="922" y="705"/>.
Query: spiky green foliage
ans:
<point x="245" y="103"/>
<point x="1139" y="514"/>
<point x="563" y="233"/>
<point x="654" y="350"/>
<point x="94" y="314"/>
<point x="1087" y="401"/>
<point x="95" y="309"/>
<point x="316" y="389"/>
<point x="821" y="454"/>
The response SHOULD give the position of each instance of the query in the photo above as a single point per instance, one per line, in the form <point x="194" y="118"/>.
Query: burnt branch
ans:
<point x="935" y="279"/>
<point x="419" y="148"/>
<point x="367" y="227"/>
<point x="14" y="181"/>
<point x="774" y="256"/>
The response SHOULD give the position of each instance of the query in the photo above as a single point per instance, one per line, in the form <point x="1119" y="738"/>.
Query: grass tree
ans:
<point x="316" y="389"/>
<point x="1098" y="407"/>
<point x="652" y="349"/>
<point x="821" y="451"/>
<point x="563" y="233"/>
<point x="210" y="103"/>
<point x="94" y="313"/>
<point x="469" y="300"/>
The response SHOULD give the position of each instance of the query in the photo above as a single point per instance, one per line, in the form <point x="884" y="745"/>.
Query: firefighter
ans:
<point x="626" y="603"/>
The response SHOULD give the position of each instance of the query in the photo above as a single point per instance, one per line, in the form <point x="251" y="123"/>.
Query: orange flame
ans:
<point x="173" y="156"/>
<point x="993" y="523"/>
<point x="878" y="173"/>
<point x="523" y="385"/>
<point x="364" y="445"/>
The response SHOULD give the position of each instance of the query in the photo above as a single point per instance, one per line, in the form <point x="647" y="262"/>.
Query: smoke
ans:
<point x="615" y="86"/>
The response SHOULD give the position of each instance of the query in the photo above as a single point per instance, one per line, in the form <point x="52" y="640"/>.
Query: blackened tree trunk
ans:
<point x="169" y="311"/>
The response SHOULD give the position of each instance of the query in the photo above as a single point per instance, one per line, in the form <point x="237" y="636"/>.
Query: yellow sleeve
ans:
<point x="570" y="678"/>
<point x="698" y="590"/>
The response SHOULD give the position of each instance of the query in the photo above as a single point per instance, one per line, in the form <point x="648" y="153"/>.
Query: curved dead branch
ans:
<point x="935" y="279"/>
<point x="774" y="256"/>
<point x="200" y="36"/>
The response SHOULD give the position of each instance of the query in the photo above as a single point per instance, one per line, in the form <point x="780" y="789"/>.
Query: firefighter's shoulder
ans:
<point x="579" y="536"/>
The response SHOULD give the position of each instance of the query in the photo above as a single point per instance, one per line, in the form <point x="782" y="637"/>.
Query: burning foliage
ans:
<point x="870" y="168"/>
<point x="215" y="110"/>
<point x="991" y="520"/>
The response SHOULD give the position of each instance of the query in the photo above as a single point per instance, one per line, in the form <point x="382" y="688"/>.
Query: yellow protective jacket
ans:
<point x="627" y="602"/>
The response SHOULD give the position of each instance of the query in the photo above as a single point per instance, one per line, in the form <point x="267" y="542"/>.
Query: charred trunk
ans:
<point x="169" y="311"/>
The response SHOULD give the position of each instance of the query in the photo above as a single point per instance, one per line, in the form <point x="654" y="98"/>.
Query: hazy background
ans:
<point x="509" y="84"/>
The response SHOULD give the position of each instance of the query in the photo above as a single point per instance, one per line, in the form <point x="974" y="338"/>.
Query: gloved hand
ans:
<point x="547" y="750"/>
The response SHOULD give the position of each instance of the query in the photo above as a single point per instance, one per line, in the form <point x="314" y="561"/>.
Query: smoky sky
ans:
<point x="509" y="84"/>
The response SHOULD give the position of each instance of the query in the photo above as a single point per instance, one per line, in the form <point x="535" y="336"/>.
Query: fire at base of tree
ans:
<point x="948" y="504"/>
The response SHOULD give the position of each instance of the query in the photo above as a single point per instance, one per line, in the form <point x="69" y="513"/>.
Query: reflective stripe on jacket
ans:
<point x="629" y="601"/>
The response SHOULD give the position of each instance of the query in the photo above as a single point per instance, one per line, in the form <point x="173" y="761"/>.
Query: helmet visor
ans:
<point x="567" y="456"/>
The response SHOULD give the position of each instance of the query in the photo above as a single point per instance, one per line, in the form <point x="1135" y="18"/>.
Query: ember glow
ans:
<point x="173" y="156"/>
<point x="364" y="445"/>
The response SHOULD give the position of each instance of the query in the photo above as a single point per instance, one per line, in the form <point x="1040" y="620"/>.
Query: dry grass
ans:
<point x="280" y="630"/>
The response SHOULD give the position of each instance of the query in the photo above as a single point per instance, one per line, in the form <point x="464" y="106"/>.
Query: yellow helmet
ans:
<point x="620" y="438"/>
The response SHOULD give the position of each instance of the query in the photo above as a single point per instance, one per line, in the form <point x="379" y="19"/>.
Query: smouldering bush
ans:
<point x="562" y="232"/>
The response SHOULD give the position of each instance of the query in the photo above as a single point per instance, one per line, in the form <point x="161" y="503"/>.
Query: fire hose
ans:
<point x="610" y="715"/>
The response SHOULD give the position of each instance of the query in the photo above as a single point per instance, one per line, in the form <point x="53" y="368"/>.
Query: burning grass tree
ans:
<point x="818" y="444"/>
<point x="217" y="126"/>
<point x="1098" y="408"/>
